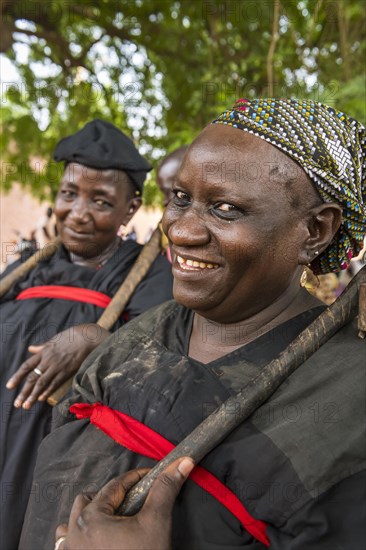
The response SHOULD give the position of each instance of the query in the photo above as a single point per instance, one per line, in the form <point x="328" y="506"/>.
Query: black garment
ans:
<point x="297" y="463"/>
<point x="35" y="321"/>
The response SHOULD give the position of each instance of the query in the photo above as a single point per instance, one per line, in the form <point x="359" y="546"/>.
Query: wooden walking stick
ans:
<point x="46" y="252"/>
<point x="142" y="265"/>
<point x="112" y="313"/>
<point x="362" y="311"/>
<point x="216" y="427"/>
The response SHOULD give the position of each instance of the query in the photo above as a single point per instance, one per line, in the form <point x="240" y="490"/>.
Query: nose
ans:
<point x="188" y="229"/>
<point x="80" y="211"/>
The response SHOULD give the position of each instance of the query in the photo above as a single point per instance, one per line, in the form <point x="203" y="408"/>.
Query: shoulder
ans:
<point x="161" y="269"/>
<point x="10" y="268"/>
<point x="161" y="264"/>
<point x="316" y="417"/>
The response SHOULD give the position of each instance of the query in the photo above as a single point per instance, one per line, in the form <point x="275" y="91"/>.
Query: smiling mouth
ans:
<point x="194" y="265"/>
<point x="79" y="233"/>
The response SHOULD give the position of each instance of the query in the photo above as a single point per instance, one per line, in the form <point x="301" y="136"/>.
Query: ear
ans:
<point x="133" y="205"/>
<point x="324" y="221"/>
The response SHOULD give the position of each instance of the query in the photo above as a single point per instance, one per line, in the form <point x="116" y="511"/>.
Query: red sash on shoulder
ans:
<point x="140" y="439"/>
<point x="66" y="293"/>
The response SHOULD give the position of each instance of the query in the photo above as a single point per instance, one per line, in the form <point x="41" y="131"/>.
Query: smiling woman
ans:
<point x="48" y="316"/>
<point x="90" y="207"/>
<point x="267" y="189"/>
<point x="238" y="237"/>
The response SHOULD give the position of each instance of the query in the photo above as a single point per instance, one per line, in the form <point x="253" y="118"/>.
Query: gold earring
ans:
<point x="303" y="278"/>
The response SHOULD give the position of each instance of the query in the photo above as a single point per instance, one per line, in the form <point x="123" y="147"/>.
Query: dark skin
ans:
<point x="244" y="234"/>
<point x="94" y="526"/>
<point x="239" y="246"/>
<point x="90" y="207"/>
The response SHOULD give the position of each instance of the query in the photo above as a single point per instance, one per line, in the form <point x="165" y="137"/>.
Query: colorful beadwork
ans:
<point x="330" y="147"/>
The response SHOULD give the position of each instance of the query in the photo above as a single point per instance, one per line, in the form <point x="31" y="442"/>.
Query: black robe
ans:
<point x="35" y="321"/>
<point x="297" y="463"/>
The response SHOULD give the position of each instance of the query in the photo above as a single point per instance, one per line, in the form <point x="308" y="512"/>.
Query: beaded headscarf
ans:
<point x="331" y="149"/>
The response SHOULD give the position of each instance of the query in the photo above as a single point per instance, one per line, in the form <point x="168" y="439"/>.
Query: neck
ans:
<point x="97" y="261"/>
<point x="211" y="340"/>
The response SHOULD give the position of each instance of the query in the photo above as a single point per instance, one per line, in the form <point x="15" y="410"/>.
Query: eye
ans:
<point x="102" y="202"/>
<point x="226" y="207"/>
<point x="227" y="211"/>
<point x="67" y="194"/>
<point x="180" y="198"/>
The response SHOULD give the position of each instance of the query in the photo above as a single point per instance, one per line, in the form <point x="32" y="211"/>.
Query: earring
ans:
<point x="303" y="278"/>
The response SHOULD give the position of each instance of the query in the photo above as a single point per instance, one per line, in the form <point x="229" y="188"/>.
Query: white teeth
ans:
<point x="187" y="264"/>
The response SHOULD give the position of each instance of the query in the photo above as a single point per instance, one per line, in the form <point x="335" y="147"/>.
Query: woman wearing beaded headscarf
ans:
<point x="270" y="187"/>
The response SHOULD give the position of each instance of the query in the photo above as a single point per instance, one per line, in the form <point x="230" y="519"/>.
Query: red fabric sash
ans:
<point x="140" y="439"/>
<point x="66" y="293"/>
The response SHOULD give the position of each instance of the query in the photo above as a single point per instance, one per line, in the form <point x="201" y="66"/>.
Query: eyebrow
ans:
<point x="96" y="191"/>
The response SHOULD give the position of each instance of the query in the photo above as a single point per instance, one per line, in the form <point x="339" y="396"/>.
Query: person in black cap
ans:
<point x="48" y="316"/>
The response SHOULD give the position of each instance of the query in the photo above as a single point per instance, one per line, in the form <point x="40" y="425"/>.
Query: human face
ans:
<point x="233" y="219"/>
<point x="90" y="207"/>
<point x="166" y="177"/>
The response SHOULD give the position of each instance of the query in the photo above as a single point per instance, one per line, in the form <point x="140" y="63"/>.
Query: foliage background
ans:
<point x="161" y="70"/>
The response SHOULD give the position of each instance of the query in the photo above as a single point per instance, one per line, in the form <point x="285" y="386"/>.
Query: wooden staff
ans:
<point x="140" y="268"/>
<point x="115" y="308"/>
<point x="46" y="252"/>
<point x="216" y="427"/>
<point x="362" y="311"/>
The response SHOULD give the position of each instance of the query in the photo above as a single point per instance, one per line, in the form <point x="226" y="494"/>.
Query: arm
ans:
<point x="94" y="525"/>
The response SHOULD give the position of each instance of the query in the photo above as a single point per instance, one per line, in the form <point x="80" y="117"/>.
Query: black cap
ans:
<point x="101" y="145"/>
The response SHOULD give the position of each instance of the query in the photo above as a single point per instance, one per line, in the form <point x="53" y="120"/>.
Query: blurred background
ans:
<point x="159" y="70"/>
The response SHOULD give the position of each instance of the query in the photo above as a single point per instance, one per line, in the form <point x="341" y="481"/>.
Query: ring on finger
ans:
<point x="38" y="371"/>
<point x="59" y="541"/>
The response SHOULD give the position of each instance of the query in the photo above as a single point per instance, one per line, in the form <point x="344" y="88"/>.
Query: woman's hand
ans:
<point x="94" y="526"/>
<point x="54" y="362"/>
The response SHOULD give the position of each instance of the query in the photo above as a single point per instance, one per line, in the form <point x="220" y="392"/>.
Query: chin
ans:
<point x="198" y="303"/>
<point x="84" y="250"/>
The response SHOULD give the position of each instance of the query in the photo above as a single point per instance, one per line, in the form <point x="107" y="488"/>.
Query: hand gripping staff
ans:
<point x="115" y="308"/>
<point x="217" y="426"/>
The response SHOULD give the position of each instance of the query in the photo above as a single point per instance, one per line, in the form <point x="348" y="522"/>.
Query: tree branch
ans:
<point x="341" y="18"/>
<point x="272" y="46"/>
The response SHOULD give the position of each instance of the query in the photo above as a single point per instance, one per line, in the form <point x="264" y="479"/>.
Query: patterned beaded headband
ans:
<point x="331" y="149"/>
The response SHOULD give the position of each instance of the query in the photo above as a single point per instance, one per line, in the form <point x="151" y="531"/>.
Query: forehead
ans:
<point x="235" y="145"/>
<point x="78" y="174"/>
<point x="222" y="153"/>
